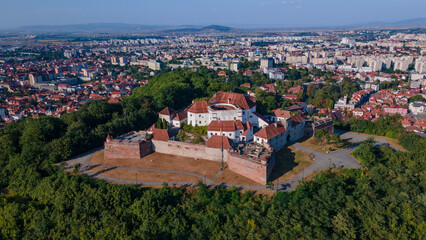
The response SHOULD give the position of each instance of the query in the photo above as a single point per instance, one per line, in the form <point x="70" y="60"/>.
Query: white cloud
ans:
<point x="287" y="2"/>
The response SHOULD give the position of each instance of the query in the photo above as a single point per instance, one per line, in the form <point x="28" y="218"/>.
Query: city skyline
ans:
<point x="237" y="13"/>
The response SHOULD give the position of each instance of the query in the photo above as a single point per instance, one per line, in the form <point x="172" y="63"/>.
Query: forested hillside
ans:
<point x="385" y="199"/>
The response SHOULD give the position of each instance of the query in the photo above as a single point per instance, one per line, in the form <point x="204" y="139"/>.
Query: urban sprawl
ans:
<point x="290" y="84"/>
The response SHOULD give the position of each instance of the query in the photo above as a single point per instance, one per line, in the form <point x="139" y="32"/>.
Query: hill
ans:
<point x="210" y="28"/>
<point x="116" y="27"/>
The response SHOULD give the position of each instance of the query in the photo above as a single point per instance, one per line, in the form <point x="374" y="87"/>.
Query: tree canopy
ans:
<point x="384" y="199"/>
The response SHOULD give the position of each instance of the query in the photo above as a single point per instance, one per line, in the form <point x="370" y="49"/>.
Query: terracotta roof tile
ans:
<point x="161" y="135"/>
<point x="297" y="119"/>
<point x="279" y="113"/>
<point x="236" y="99"/>
<point x="181" y="116"/>
<point x="167" y="111"/>
<point x="271" y="131"/>
<point x="227" y="126"/>
<point x="199" y="107"/>
<point x="217" y="141"/>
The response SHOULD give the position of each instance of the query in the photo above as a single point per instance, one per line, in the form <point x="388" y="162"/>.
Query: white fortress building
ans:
<point x="234" y="116"/>
<point x="223" y="106"/>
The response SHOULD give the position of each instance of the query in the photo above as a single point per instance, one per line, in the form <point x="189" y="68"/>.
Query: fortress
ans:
<point x="236" y="134"/>
<point x="252" y="160"/>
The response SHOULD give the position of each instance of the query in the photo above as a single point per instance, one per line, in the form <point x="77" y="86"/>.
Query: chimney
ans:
<point x="229" y="100"/>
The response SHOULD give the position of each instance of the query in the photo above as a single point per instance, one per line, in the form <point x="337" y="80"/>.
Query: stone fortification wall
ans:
<point x="127" y="149"/>
<point x="188" y="150"/>
<point x="258" y="171"/>
<point x="323" y="124"/>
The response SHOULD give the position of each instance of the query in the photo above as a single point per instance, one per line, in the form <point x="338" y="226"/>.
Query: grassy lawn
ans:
<point x="289" y="163"/>
<point x="311" y="143"/>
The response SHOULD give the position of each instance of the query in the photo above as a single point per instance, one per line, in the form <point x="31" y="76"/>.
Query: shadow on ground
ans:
<point x="101" y="171"/>
<point x="284" y="162"/>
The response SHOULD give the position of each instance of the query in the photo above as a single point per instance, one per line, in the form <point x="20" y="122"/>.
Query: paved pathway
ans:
<point x="322" y="161"/>
<point x="336" y="159"/>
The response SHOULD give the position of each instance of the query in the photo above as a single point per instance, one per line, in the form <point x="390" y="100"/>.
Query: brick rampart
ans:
<point x="126" y="149"/>
<point x="258" y="171"/>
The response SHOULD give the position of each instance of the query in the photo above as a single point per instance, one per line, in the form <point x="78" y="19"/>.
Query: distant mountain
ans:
<point x="415" y="22"/>
<point x="116" y="27"/>
<point x="90" y="27"/>
<point x="123" y="27"/>
<point x="211" y="28"/>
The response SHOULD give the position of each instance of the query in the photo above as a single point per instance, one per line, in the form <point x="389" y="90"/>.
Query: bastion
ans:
<point x="130" y="145"/>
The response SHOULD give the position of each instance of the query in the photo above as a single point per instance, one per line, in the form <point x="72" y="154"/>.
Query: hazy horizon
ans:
<point x="234" y="13"/>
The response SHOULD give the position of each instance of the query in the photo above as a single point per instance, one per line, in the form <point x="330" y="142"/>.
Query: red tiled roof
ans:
<point x="271" y="131"/>
<point x="247" y="127"/>
<point x="413" y="128"/>
<point x="167" y="111"/>
<point x="222" y="73"/>
<point x="288" y="96"/>
<point x="297" y="119"/>
<point x="236" y="99"/>
<point x="295" y="90"/>
<point x="180" y="116"/>
<point x="227" y="126"/>
<point x="405" y="122"/>
<point x="199" y="107"/>
<point x="279" y="113"/>
<point x="151" y="129"/>
<point x="161" y="134"/>
<point x="421" y="124"/>
<point x="217" y="141"/>
<point x="114" y="100"/>
<point x="294" y="107"/>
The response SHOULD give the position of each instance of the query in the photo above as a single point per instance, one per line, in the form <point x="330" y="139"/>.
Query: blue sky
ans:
<point x="258" y="13"/>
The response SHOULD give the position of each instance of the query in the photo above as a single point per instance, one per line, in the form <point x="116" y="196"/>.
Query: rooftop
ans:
<point x="253" y="151"/>
<point x="132" y="137"/>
